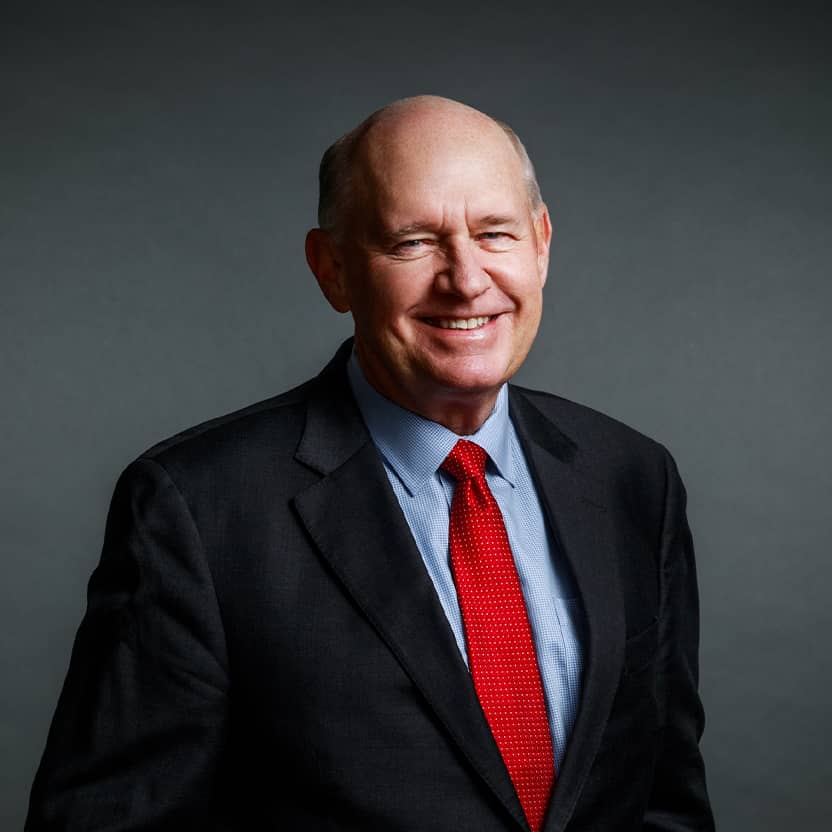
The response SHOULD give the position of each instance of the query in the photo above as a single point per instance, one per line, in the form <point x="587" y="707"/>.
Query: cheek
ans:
<point x="522" y="284"/>
<point x="393" y="296"/>
<point x="534" y="308"/>
<point x="529" y="304"/>
<point x="380" y="313"/>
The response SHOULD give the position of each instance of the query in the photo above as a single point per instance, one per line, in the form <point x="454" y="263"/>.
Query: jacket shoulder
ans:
<point x="610" y="449"/>
<point x="268" y="429"/>
<point x="628" y="470"/>
<point x="595" y="433"/>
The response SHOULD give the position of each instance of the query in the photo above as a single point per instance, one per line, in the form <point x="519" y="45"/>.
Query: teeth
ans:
<point x="462" y="323"/>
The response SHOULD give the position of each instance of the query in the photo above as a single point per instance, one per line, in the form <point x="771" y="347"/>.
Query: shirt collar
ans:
<point x="415" y="447"/>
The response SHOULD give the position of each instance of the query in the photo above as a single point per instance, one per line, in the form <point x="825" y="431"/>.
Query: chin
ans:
<point x="477" y="372"/>
<point x="469" y="383"/>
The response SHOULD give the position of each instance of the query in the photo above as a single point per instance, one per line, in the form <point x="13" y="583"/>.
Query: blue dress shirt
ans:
<point x="413" y="448"/>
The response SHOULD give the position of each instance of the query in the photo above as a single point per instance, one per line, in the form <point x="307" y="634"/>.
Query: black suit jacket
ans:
<point x="263" y="648"/>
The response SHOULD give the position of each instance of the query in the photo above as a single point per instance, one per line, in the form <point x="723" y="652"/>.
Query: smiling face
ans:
<point x="442" y="262"/>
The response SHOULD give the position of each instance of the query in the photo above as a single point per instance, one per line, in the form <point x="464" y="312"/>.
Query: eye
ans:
<point x="495" y="240"/>
<point x="410" y="248"/>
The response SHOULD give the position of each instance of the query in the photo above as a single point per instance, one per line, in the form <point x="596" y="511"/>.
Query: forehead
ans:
<point x="439" y="169"/>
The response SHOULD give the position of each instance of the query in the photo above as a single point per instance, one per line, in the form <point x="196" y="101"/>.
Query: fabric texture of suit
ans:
<point x="263" y="648"/>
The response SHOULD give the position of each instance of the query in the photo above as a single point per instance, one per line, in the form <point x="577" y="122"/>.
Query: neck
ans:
<point x="463" y="418"/>
<point x="460" y="411"/>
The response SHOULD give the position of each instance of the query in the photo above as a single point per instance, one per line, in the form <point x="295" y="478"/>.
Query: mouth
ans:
<point x="460" y="323"/>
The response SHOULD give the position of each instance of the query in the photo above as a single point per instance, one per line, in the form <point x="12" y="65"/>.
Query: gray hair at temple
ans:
<point x="335" y="172"/>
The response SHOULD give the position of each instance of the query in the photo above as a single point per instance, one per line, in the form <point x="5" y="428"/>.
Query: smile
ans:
<point x="460" y="323"/>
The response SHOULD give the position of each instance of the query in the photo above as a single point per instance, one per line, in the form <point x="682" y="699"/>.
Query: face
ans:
<point x="443" y="268"/>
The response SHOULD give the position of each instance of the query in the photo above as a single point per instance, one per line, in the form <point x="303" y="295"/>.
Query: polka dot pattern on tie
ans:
<point x="500" y="647"/>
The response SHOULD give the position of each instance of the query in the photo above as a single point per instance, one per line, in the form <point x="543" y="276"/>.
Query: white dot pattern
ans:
<point x="501" y="650"/>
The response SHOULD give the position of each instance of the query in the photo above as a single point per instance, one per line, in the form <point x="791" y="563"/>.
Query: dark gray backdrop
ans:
<point x="157" y="175"/>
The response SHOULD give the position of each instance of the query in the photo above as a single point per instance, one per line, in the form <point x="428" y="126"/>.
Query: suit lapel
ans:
<point x="355" y="521"/>
<point x="583" y="529"/>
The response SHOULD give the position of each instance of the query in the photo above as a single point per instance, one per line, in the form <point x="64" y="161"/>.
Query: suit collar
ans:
<point x="334" y="430"/>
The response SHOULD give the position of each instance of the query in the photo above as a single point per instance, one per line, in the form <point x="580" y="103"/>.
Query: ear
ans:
<point x="543" y="233"/>
<point x="324" y="258"/>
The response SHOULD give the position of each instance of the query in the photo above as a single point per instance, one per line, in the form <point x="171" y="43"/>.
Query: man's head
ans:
<point x="434" y="237"/>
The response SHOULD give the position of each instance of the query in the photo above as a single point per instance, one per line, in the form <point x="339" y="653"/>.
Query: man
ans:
<point x="403" y="596"/>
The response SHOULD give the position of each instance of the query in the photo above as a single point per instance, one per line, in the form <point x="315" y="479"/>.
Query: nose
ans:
<point x="461" y="273"/>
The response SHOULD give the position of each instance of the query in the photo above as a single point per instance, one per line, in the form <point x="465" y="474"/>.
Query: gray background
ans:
<point x="157" y="175"/>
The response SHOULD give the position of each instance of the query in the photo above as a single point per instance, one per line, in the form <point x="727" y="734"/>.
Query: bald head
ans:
<point x="408" y="129"/>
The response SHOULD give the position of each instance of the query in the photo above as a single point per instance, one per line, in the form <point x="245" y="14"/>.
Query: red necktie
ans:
<point x="501" y="652"/>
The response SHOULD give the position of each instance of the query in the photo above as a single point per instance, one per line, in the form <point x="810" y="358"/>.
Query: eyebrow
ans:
<point x="406" y="230"/>
<point x="495" y="219"/>
<point x="489" y="220"/>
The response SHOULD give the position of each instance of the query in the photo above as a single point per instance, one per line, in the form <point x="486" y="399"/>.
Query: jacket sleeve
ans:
<point x="141" y="721"/>
<point x="679" y="799"/>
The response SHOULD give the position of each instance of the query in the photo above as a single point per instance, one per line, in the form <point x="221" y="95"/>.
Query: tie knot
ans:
<point x="465" y="461"/>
